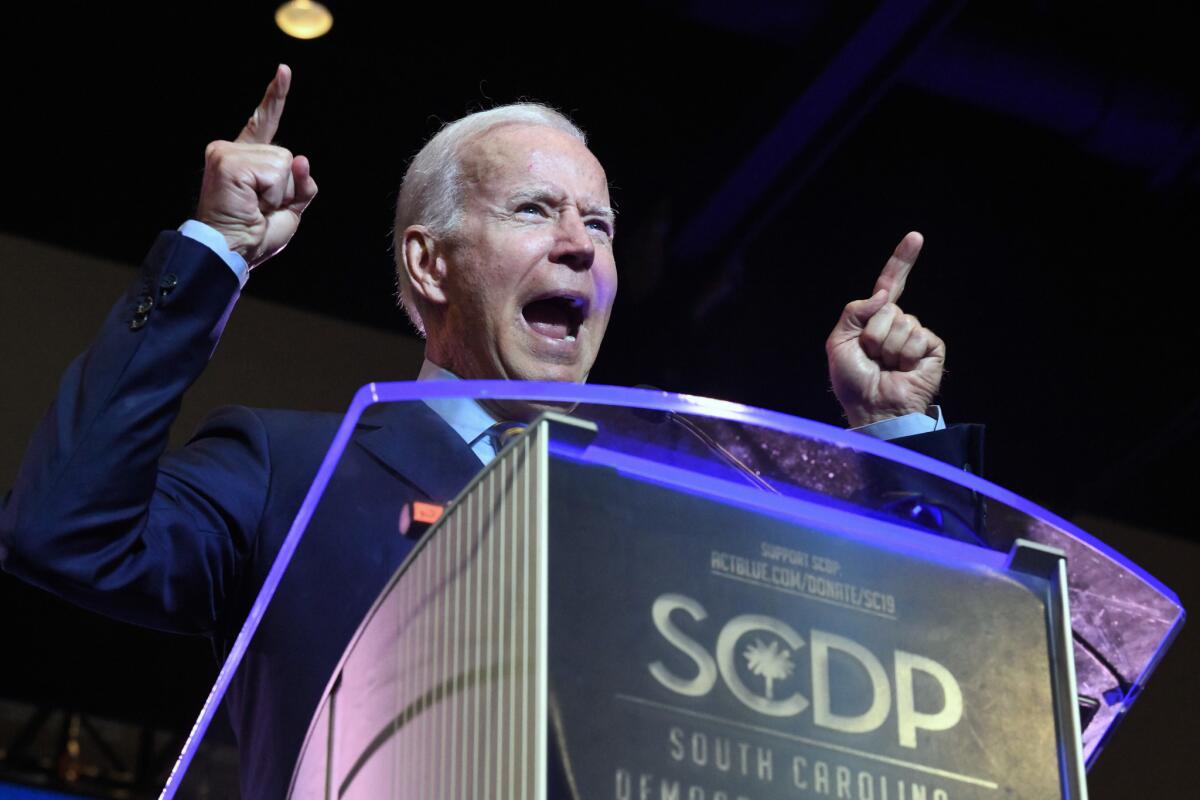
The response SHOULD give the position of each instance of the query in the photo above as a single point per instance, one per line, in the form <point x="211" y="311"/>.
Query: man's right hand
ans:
<point x="254" y="192"/>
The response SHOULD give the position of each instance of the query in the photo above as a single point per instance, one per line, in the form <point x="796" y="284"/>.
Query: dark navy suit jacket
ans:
<point x="182" y="541"/>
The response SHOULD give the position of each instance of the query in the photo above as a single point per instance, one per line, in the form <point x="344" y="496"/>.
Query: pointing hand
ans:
<point x="882" y="362"/>
<point x="254" y="192"/>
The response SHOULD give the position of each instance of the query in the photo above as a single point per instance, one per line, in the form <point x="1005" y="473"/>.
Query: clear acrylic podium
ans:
<point x="658" y="595"/>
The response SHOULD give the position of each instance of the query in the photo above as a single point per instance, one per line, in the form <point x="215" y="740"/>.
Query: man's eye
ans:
<point x="600" y="225"/>
<point x="531" y="208"/>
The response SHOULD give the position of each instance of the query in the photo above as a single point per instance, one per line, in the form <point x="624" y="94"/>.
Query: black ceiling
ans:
<point x="1047" y="150"/>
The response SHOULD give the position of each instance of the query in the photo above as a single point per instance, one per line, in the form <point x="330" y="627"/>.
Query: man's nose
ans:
<point x="573" y="244"/>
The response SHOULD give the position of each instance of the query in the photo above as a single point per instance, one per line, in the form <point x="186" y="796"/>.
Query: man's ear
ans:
<point x="425" y="263"/>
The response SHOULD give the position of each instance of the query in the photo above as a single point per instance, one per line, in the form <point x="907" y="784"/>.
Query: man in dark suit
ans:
<point x="505" y="262"/>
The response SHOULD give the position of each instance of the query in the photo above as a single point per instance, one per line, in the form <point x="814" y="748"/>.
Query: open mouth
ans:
<point x="556" y="316"/>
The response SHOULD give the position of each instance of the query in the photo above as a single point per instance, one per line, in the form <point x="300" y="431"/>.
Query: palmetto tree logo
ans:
<point x="769" y="662"/>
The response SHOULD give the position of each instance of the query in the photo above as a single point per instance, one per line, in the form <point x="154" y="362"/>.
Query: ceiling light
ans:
<point x="304" y="19"/>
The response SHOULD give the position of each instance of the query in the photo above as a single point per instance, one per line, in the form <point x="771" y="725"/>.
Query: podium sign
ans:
<point x="701" y="650"/>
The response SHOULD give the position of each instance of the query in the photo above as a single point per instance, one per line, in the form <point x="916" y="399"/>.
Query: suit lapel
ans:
<point x="416" y="444"/>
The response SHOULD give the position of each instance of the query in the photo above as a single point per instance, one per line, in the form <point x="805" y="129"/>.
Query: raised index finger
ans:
<point x="895" y="271"/>
<point x="264" y="122"/>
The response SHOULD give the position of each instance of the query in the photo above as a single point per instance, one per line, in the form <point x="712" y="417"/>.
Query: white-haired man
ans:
<point x="504" y="247"/>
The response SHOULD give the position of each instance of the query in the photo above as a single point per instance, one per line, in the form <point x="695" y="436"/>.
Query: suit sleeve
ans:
<point x="948" y="508"/>
<point x="97" y="515"/>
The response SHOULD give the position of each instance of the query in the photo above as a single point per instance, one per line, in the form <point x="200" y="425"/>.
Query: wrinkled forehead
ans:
<point x="509" y="158"/>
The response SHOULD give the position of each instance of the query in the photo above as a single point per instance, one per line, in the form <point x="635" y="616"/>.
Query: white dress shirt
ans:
<point x="468" y="419"/>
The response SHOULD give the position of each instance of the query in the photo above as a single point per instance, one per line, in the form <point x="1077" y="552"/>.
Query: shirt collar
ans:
<point x="468" y="419"/>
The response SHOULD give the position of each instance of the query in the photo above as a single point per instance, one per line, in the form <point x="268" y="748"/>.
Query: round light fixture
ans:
<point x="304" y="19"/>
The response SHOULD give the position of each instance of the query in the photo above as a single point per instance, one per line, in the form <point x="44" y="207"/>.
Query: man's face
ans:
<point x="530" y="274"/>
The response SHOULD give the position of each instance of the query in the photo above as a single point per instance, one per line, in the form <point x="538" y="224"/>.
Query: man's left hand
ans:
<point x="882" y="362"/>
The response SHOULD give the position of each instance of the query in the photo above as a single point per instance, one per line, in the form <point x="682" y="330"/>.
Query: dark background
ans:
<point x="764" y="157"/>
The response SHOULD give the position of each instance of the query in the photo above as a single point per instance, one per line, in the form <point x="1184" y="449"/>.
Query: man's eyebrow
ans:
<point x="608" y="212"/>
<point x="549" y="196"/>
<point x="539" y="195"/>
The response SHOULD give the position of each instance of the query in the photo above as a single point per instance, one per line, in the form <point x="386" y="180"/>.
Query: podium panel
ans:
<point x="443" y="691"/>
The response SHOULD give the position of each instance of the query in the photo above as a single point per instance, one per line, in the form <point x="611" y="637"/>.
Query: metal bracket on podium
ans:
<point x="1050" y="564"/>
<point x="567" y="432"/>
